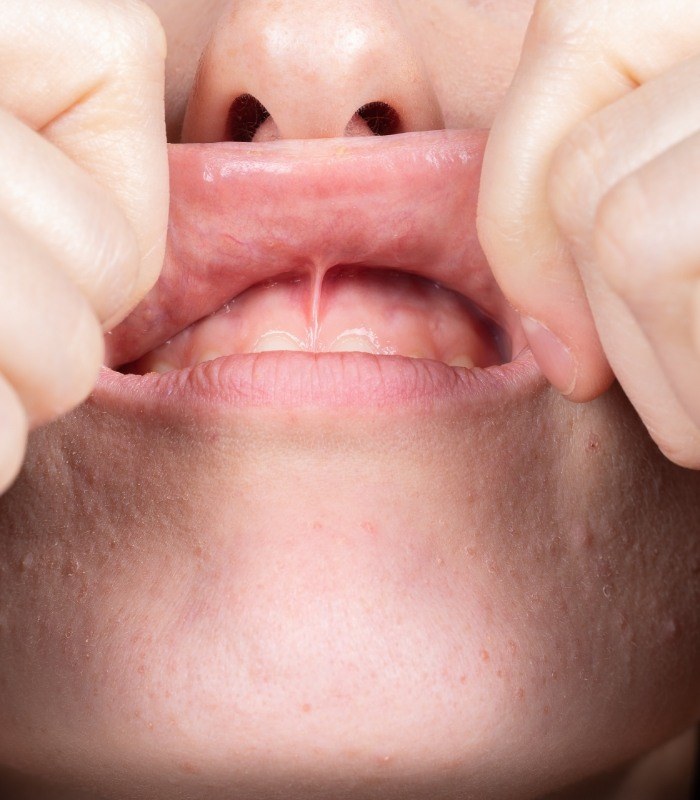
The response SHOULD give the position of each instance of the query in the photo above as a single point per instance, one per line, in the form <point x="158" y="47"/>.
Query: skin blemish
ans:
<point x="593" y="443"/>
<point x="485" y="655"/>
<point x="306" y="708"/>
<point x="369" y="527"/>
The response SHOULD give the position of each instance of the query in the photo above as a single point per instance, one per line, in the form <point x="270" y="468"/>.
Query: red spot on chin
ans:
<point x="369" y="527"/>
<point x="593" y="443"/>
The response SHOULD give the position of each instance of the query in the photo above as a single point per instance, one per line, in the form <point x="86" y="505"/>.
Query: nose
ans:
<point x="306" y="69"/>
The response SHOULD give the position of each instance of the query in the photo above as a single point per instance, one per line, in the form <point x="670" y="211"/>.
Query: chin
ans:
<point x="405" y="602"/>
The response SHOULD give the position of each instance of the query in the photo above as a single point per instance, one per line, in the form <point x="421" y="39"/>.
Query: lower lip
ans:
<point x="322" y="381"/>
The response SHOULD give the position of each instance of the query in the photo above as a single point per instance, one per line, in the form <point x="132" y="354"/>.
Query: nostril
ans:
<point x="245" y="116"/>
<point x="380" y="118"/>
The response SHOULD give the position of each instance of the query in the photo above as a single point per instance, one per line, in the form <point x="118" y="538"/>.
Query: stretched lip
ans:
<point x="241" y="214"/>
<point x="326" y="381"/>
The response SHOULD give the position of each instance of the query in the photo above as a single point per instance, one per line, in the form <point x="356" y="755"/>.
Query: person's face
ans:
<point x="490" y="594"/>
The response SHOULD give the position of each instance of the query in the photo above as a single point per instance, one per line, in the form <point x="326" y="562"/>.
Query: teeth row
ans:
<point x="353" y="341"/>
<point x="162" y="366"/>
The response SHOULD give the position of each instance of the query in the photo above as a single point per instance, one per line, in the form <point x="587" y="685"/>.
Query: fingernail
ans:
<point x="555" y="359"/>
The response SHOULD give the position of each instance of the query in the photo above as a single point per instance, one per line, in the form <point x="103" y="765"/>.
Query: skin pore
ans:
<point x="309" y="604"/>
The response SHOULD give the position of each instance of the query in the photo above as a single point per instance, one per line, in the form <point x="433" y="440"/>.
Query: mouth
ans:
<point x="361" y="245"/>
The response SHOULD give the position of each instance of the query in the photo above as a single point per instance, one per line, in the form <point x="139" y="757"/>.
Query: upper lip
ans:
<point x="241" y="214"/>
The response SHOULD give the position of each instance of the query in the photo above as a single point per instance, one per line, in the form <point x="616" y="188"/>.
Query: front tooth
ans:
<point x="161" y="367"/>
<point x="354" y="342"/>
<point x="276" y="340"/>
<point x="462" y="361"/>
<point x="209" y="355"/>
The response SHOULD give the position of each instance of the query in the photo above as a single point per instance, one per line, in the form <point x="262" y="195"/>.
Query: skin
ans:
<point x="312" y="605"/>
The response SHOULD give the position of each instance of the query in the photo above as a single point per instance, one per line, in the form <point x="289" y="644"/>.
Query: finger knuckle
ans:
<point x="135" y="31"/>
<point x="114" y="260"/>
<point x="562" y="23"/>
<point x="575" y="178"/>
<point x="73" y="365"/>
<point x="84" y="351"/>
<point x="622" y="220"/>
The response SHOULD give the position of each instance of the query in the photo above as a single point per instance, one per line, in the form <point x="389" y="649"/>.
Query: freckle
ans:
<point x="306" y="708"/>
<point x="462" y="679"/>
<point x="485" y="655"/>
<point x="546" y="711"/>
<point x="369" y="527"/>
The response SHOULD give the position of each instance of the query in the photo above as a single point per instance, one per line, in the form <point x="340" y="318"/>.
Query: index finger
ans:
<point x="89" y="76"/>
<point x="578" y="57"/>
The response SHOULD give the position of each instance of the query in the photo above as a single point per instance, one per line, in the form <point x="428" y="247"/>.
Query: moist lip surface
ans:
<point x="355" y="244"/>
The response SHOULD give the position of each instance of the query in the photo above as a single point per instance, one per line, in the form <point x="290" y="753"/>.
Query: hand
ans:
<point x="590" y="205"/>
<point x="83" y="196"/>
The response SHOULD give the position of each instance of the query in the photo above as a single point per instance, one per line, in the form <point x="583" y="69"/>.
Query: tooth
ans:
<point x="276" y="340"/>
<point x="209" y="355"/>
<point x="161" y="367"/>
<point x="358" y="341"/>
<point x="462" y="361"/>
